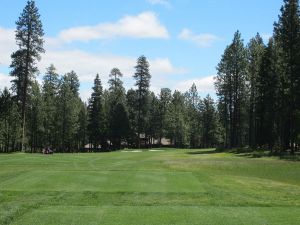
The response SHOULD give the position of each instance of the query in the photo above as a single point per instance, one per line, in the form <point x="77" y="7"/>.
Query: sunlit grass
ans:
<point x="158" y="187"/>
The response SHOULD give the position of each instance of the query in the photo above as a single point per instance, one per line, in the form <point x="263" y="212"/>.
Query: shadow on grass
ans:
<point x="253" y="155"/>
<point x="249" y="153"/>
<point x="293" y="158"/>
<point x="264" y="154"/>
<point x="203" y="152"/>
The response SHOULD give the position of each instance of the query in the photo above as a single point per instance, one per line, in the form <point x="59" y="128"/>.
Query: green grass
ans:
<point x="135" y="188"/>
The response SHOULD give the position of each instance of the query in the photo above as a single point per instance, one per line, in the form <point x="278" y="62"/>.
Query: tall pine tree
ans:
<point x="29" y="38"/>
<point x="118" y="116"/>
<point x="96" y="124"/>
<point x="142" y="77"/>
<point x="50" y="96"/>
<point x="255" y="53"/>
<point x="231" y="90"/>
<point x="287" y="37"/>
<point x="68" y="108"/>
<point x="268" y="99"/>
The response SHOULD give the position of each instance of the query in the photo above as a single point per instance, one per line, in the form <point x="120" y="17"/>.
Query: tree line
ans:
<point x="52" y="114"/>
<point x="257" y="87"/>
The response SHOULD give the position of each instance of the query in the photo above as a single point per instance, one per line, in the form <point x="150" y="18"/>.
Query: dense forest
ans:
<point x="257" y="85"/>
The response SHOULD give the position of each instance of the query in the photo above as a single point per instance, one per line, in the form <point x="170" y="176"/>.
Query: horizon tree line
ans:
<point x="258" y="89"/>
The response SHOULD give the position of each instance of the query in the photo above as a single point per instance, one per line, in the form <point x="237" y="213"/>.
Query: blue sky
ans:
<point x="183" y="39"/>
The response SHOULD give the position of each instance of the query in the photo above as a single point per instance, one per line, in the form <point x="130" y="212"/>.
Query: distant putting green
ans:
<point x="175" y="187"/>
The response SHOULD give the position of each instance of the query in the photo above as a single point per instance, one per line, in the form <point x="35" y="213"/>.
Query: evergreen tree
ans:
<point x="209" y="132"/>
<point x="142" y="77"/>
<point x="165" y="97"/>
<point x="29" y="38"/>
<point x="115" y="79"/>
<point x="96" y="125"/>
<point x="193" y="116"/>
<point x="118" y="116"/>
<point x="255" y="53"/>
<point x="36" y="115"/>
<point x="178" y="130"/>
<point x="9" y="122"/>
<point x="154" y="123"/>
<point x="82" y="134"/>
<point x="287" y="37"/>
<point x="50" y="93"/>
<point x="193" y="96"/>
<point x="268" y="99"/>
<point x="231" y="90"/>
<point x="71" y="79"/>
<point x="132" y="106"/>
<point x="68" y="109"/>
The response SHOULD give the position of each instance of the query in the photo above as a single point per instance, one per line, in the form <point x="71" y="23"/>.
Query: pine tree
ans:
<point x="165" y="97"/>
<point x="35" y="118"/>
<point x="96" y="126"/>
<point x="153" y="125"/>
<point x="132" y="106"/>
<point x="73" y="82"/>
<point x="208" y="117"/>
<point x="231" y="90"/>
<point x="68" y="109"/>
<point x="193" y="116"/>
<point x="255" y="53"/>
<point x="50" y="96"/>
<point x="287" y="37"/>
<point x="82" y="134"/>
<point x="29" y="38"/>
<point x="118" y="116"/>
<point x="142" y="77"/>
<point x="268" y="99"/>
<point x="115" y="78"/>
<point x="193" y="96"/>
<point x="9" y="122"/>
<point x="178" y="130"/>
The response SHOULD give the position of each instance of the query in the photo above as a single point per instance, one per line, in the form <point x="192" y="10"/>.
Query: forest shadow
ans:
<point x="203" y="152"/>
<point x="250" y="154"/>
<point x="267" y="154"/>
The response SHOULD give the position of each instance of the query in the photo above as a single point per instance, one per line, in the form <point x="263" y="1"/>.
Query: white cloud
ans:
<point x="87" y="65"/>
<point x="143" y="25"/>
<point x="201" y="40"/>
<point x="7" y="44"/>
<point x="164" y="66"/>
<point x="85" y="94"/>
<point x="5" y="81"/>
<point x="164" y="3"/>
<point x="204" y="85"/>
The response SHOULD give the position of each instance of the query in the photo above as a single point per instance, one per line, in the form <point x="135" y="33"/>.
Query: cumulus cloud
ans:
<point x="87" y="65"/>
<point x="143" y="25"/>
<point x="164" y="3"/>
<point x="204" y="85"/>
<point x="7" y="44"/>
<point x="5" y="81"/>
<point x="201" y="40"/>
<point x="164" y="66"/>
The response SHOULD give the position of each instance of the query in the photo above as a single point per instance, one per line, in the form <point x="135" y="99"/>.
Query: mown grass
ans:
<point x="163" y="187"/>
